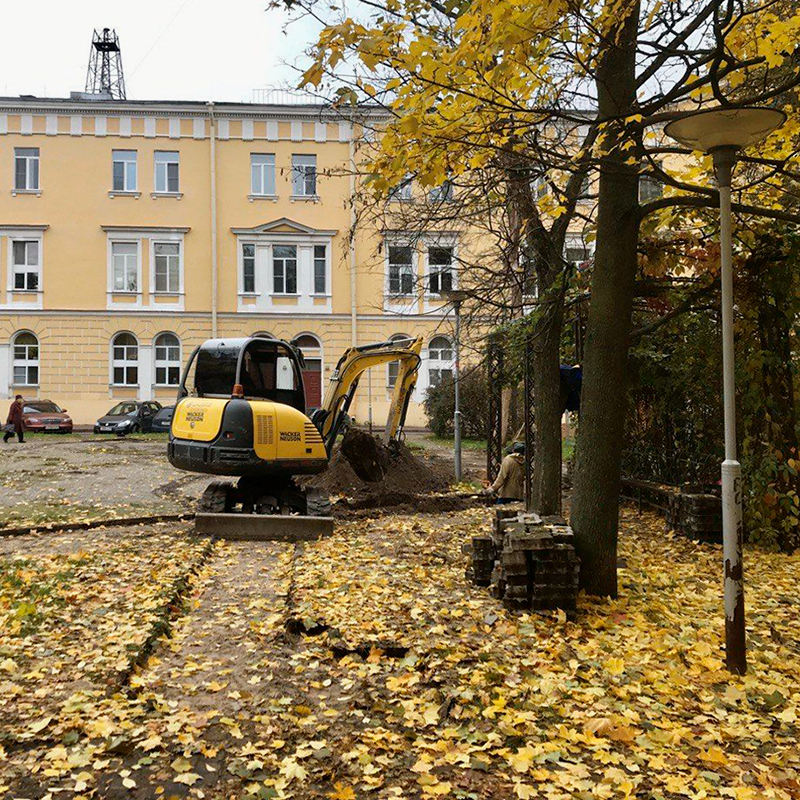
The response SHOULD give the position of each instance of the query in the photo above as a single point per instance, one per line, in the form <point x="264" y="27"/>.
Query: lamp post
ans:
<point x="457" y="297"/>
<point x="722" y="132"/>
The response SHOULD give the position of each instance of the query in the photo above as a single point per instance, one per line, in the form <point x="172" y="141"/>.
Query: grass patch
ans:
<point x="466" y="444"/>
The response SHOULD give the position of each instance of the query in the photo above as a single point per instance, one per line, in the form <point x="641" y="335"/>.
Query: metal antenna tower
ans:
<point x="104" y="76"/>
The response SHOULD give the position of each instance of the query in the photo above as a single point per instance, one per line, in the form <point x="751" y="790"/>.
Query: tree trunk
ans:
<point x="546" y="488"/>
<point x="595" y="507"/>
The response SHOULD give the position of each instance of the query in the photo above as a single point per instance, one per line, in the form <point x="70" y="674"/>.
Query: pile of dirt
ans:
<point x="403" y="471"/>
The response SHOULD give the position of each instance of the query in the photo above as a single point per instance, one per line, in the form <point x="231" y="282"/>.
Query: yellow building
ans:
<point x="132" y="231"/>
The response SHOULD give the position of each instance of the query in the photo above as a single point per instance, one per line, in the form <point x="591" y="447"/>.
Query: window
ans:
<point x="262" y="174"/>
<point x="577" y="254"/>
<point x="168" y="359"/>
<point x="440" y="360"/>
<point x="123" y="170"/>
<point x="125" y="258"/>
<point x="443" y="193"/>
<point x="650" y="188"/>
<point x="304" y="175"/>
<point x="284" y="269"/>
<point x="440" y="269"/>
<point x="167" y="168"/>
<point x="25" y="257"/>
<point x="401" y="269"/>
<point x="541" y="188"/>
<point x="125" y="360"/>
<point x="320" y="268"/>
<point x="403" y="191"/>
<point x="26" y="169"/>
<point x="168" y="266"/>
<point x="26" y="360"/>
<point x="393" y="367"/>
<point x="248" y="268"/>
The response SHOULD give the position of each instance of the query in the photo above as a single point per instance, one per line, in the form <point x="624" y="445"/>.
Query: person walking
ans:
<point x="14" y="423"/>
<point x="509" y="485"/>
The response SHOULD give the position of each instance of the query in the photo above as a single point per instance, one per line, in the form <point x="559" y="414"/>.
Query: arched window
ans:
<point x="312" y="375"/>
<point x="263" y="334"/>
<point x="125" y="360"/>
<point x="168" y="359"/>
<point x="26" y="360"/>
<point x="393" y="367"/>
<point x="440" y="360"/>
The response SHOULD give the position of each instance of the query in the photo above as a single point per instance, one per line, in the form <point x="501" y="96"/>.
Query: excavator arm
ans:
<point x="344" y="383"/>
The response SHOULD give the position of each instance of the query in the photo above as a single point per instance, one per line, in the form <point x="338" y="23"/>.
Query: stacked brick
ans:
<point x="696" y="514"/>
<point x="527" y="562"/>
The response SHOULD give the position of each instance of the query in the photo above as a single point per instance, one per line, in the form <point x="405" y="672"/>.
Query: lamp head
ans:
<point x="734" y="128"/>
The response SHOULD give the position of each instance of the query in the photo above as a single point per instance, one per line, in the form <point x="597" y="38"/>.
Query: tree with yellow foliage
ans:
<point x="466" y="82"/>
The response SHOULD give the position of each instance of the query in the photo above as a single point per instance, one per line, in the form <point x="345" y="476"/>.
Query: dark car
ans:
<point x="163" y="420"/>
<point x="128" y="416"/>
<point x="45" y="415"/>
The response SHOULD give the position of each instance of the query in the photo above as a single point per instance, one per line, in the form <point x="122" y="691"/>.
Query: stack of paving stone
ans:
<point x="696" y="513"/>
<point x="534" y="565"/>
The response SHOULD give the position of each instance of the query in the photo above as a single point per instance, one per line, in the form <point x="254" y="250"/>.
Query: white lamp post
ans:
<point x="722" y="132"/>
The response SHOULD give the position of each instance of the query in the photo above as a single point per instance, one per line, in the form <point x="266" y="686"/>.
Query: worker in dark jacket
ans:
<point x="14" y="423"/>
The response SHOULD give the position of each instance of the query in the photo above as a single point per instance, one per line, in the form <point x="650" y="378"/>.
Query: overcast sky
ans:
<point x="171" y="49"/>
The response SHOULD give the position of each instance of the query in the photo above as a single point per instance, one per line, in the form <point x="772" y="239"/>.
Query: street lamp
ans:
<point x="722" y="132"/>
<point x="456" y="297"/>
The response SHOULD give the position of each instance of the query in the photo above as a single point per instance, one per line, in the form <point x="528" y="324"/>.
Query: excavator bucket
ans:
<point x="366" y="455"/>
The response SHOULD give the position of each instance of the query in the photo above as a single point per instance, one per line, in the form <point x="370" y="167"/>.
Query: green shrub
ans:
<point x="474" y="396"/>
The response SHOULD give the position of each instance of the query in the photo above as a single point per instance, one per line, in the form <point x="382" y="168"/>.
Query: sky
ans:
<point x="171" y="49"/>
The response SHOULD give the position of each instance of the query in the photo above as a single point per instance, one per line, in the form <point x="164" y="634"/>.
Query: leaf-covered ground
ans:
<point x="397" y="679"/>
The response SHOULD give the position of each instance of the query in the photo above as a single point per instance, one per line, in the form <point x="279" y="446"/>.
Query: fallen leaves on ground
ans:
<point x="410" y="683"/>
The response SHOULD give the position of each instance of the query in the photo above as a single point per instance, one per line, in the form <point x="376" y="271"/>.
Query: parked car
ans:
<point x="45" y="415"/>
<point x="163" y="420"/>
<point x="128" y="416"/>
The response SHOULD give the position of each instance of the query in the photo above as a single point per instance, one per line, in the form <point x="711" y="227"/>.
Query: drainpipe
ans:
<point x="213" y="158"/>
<point x="353" y="275"/>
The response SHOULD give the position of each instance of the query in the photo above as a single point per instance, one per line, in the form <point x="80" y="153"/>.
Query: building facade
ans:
<point x="130" y="232"/>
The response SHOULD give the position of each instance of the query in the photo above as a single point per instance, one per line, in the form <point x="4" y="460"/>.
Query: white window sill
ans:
<point x="400" y="298"/>
<point x="26" y="291"/>
<point x="249" y="294"/>
<point x="286" y="294"/>
<point x="322" y="294"/>
<point x="162" y="293"/>
<point x="24" y="385"/>
<point x="123" y="385"/>
<point x="401" y="199"/>
<point x="272" y="197"/>
<point x="136" y="195"/>
<point x="126" y="292"/>
<point x="304" y="198"/>
<point x="166" y="385"/>
<point x="175" y="195"/>
<point x="15" y="192"/>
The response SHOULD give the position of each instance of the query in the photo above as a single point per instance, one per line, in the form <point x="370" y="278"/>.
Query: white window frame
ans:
<point x="138" y="267"/>
<point x="26" y="362"/>
<point x="441" y="244"/>
<point x="130" y="171"/>
<point x="323" y="262"/>
<point x="273" y="258"/>
<point x="25" y="269"/>
<point x="412" y="270"/>
<point x="165" y="159"/>
<point x="167" y="363"/>
<point x="155" y="244"/>
<point x="393" y="367"/>
<point x="438" y="364"/>
<point x="125" y="362"/>
<point x="443" y="193"/>
<point x="304" y="175"/>
<point x="242" y="259"/>
<point x="32" y="169"/>
<point x="404" y="191"/>
<point x="262" y="175"/>
<point x="576" y="241"/>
